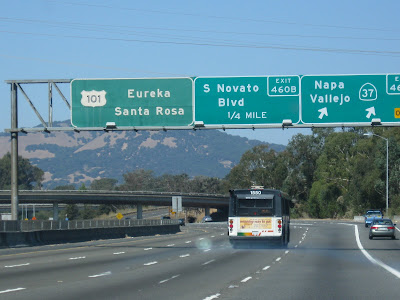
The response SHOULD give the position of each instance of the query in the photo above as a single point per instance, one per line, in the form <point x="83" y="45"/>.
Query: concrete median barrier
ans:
<point x="43" y="237"/>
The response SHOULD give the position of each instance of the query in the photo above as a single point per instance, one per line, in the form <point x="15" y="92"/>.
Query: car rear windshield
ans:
<point x="374" y="213"/>
<point x="383" y="222"/>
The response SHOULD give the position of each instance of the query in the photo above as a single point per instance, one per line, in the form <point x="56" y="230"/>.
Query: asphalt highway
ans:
<point x="324" y="260"/>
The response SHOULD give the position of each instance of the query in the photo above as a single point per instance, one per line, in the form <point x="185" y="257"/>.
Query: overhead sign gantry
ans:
<point x="215" y="103"/>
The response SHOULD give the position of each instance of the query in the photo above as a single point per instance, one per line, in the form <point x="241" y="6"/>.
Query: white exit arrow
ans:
<point x="323" y="112"/>
<point x="371" y="111"/>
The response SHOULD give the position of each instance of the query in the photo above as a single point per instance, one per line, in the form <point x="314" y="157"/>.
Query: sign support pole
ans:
<point x="14" y="153"/>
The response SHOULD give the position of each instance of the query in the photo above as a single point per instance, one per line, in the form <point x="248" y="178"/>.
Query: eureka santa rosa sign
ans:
<point x="241" y="101"/>
<point x="132" y="102"/>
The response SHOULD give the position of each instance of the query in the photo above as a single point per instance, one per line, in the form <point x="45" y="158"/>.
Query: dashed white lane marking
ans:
<point x="100" y="275"/>
<point x="246" y="279"/>
<point x="213" y="236"/>
<point x="371" y="259"/>
<point x="296" y="246"/>
<point x="118" y="253"/>
<point x="188" y="242"/>
<point x="184" y="255"/>
<point x="208" y="262"/>
<point x="16" y="266"/>
<point x="212" y="297"/>
<point x="150" y="263"/>
<point x="266" y="268"/>
<point x="201" y="239"/>
<point x="287" y="251"/>
<point x="278" y="259"/>
<point x="206" y="250"/>
<point x="12" y="290"/>
<point x="75" y="258"/>
<point x="170" y="245"/>
<point x="165" y="280"/>
<point x="300" y="242"/>
<point x="146" y="249"/>
<point x="222" y="233"/>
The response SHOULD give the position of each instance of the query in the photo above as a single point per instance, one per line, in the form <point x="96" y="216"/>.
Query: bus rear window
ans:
<point x="255" y="207"/>
<point x="260" y="203"/>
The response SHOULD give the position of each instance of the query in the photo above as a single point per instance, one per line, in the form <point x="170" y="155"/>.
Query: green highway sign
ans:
<point x="350" y="99"/>
<point x="241" y="101"/>
<point x="132" y="102"/>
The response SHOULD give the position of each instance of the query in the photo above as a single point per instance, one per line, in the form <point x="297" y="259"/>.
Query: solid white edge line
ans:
<point x="12" y="290"/>
<point x="20" y="265"/>
<point x="371" y="259"/>
<point x="397" y="229"/>
<point x="246" y="279"/>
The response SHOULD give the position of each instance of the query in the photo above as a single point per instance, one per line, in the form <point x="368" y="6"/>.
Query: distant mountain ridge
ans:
<point x="75" y="158"/>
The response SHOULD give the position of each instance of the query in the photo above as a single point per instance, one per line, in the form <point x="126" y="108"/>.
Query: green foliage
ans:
<point x="258" y="166"/>
<point x="88" y="212"/>
<point x="29" y="176"/>
<point x="72" y="211"/>
<point x="331" y="174"/>
<point x="105" y="209"/>
<point x="67" y="187"/>
<point x="103" y="184"/>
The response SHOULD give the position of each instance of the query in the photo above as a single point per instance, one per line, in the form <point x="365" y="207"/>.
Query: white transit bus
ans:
<point x="259" y="216"/>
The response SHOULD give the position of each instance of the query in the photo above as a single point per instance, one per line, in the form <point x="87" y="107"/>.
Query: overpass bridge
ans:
<point x="138" y="198"/>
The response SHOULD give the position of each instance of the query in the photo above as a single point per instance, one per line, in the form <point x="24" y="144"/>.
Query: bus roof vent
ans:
<point x="257" y="187"/>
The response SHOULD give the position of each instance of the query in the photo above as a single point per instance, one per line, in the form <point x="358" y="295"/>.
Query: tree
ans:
<point x="72" y="211"/>
<point x="67" y="187"/>
<point x="139" y="180"/>
<point x="103" y="184"/>
<point x="29" y="176"/>
<point x="258" y="166"/>
<point x="302" y="153"/>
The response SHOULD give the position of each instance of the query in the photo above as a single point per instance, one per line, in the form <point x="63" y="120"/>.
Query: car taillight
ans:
<point x="374" y="227"/>
<point x="390" y="227"/>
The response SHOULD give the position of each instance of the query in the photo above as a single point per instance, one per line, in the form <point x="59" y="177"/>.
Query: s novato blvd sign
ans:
<point x="132" y="102"/>
<point x="246" y="101"/>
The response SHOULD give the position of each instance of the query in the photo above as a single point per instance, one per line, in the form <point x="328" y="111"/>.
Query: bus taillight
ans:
<point x="279" y="224"/>
<point x="231" y="224"/>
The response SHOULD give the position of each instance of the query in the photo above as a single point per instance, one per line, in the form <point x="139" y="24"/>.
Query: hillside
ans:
<point x="75" y="158"/>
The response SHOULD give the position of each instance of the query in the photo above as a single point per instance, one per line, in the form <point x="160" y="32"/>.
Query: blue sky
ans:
<point x="145" y="39"/>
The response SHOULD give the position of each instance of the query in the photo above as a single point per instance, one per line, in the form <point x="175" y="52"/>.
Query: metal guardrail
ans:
<point x="26" y="226"/>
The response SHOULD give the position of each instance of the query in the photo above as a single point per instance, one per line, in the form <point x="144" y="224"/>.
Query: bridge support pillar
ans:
<point x="139" y="209"/>
<point x="207" y="211"/>
<point x="55" y="211"/>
